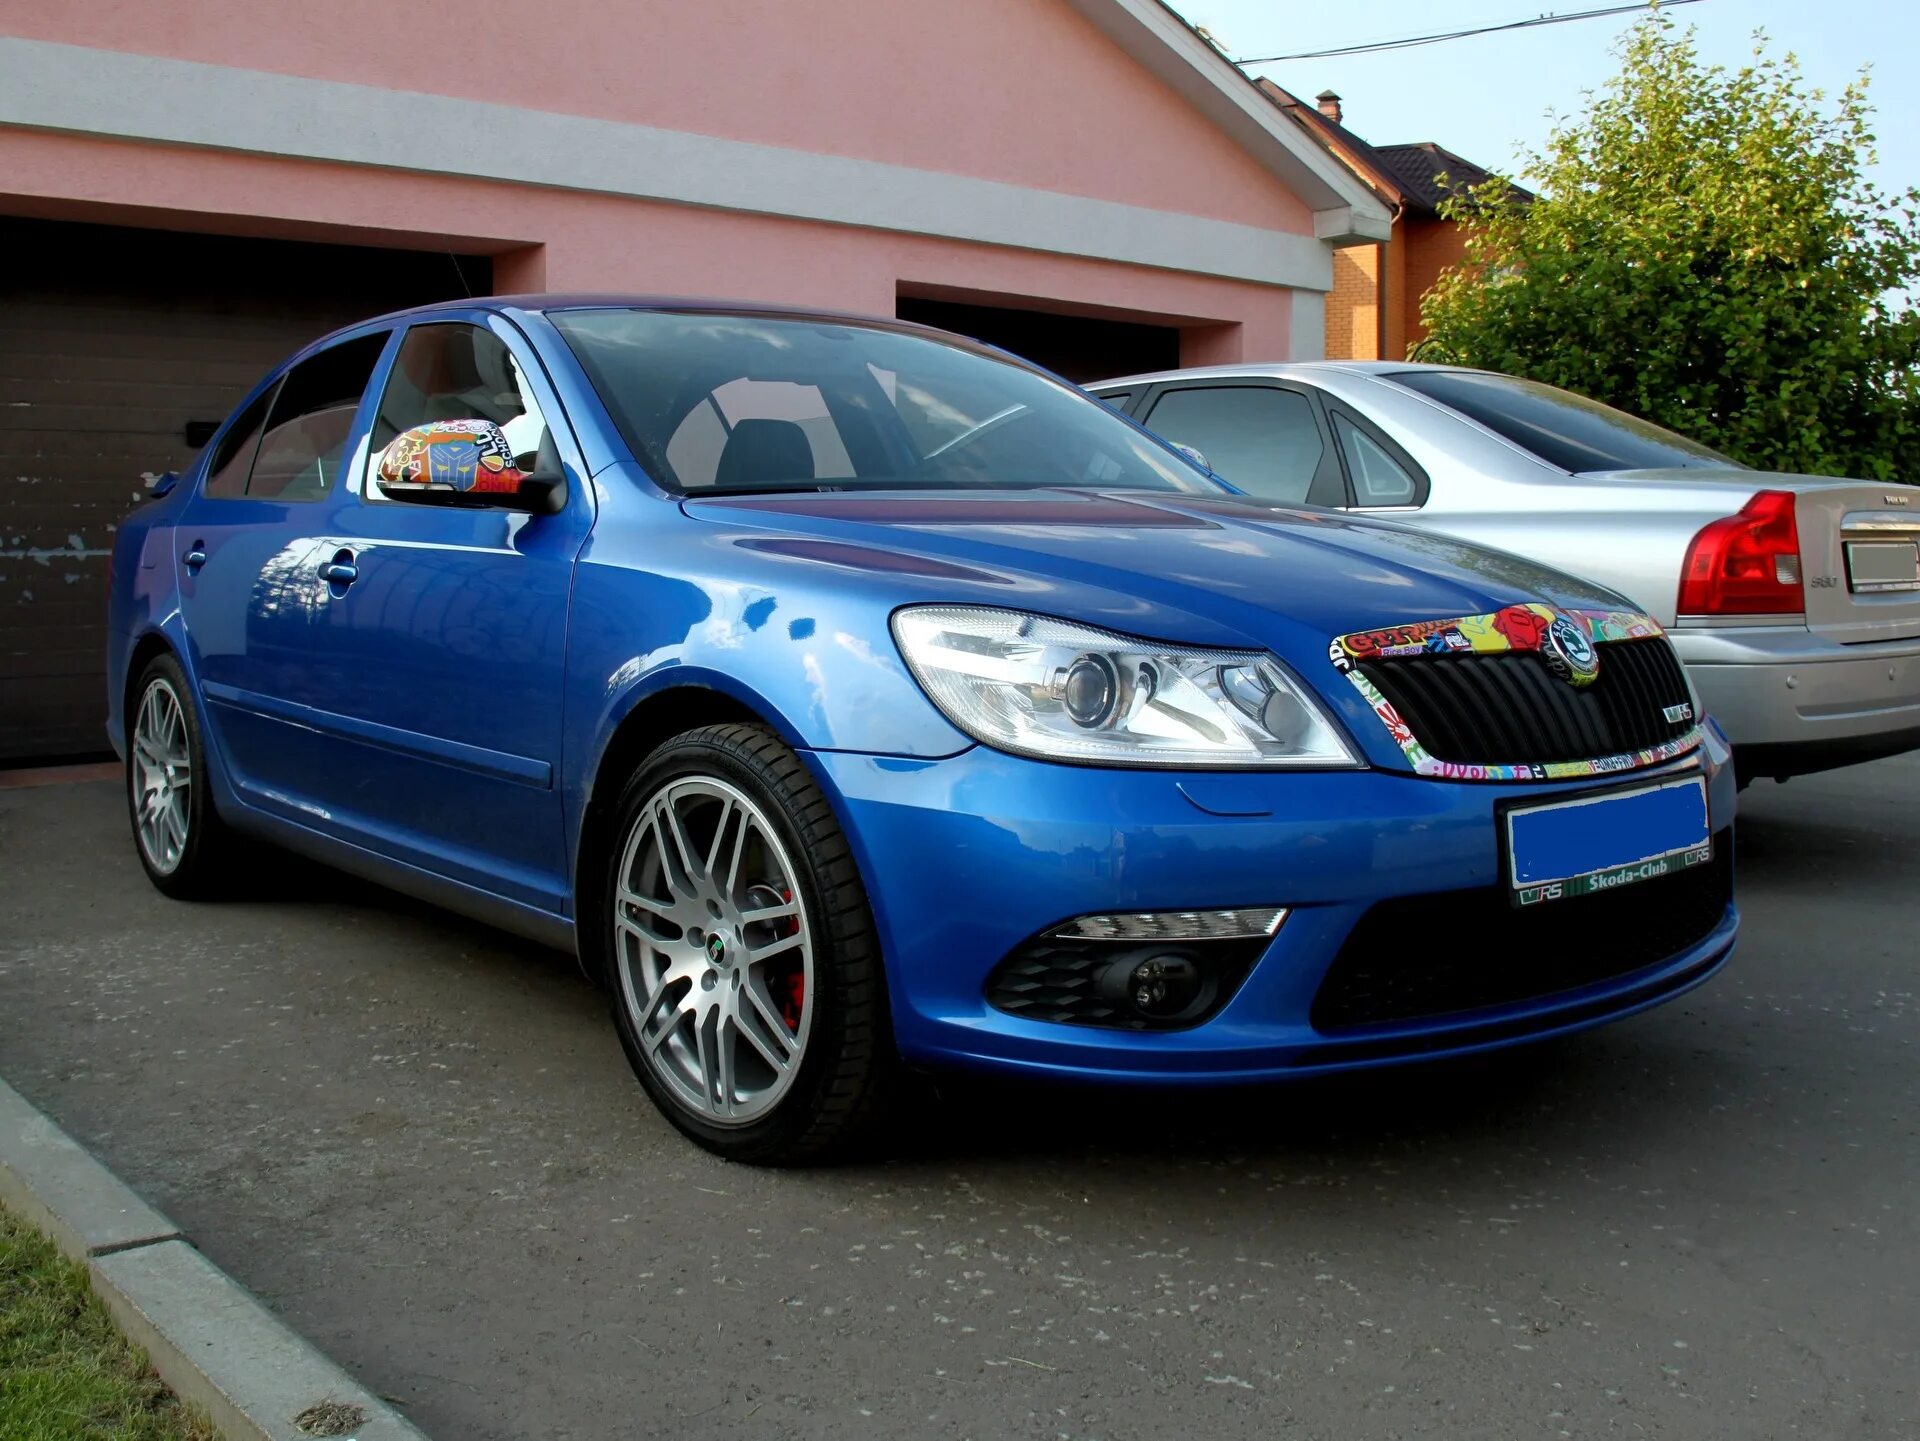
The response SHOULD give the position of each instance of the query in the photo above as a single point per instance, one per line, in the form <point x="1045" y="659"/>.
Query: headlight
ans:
<point x="1048" y="688"/>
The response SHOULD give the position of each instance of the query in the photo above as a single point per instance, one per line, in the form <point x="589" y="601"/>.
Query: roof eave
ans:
<point x="1345" y="211"/>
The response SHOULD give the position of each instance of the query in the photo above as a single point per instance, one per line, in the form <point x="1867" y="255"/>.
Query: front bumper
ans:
<point x="968" y="857"/>
<point x="1792" y="701"/>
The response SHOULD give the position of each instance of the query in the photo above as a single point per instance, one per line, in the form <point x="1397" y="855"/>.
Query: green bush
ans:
<point x="1705" y="251"/>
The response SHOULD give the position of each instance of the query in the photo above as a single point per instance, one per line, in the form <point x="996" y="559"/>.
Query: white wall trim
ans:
<point x="78" y="90"/>
<point x="1307" y="327"/>
<point x="1346" y="212"/>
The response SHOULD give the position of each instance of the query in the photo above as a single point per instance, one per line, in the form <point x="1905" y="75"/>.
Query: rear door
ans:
<point x="247" y="546"/>
<point x="438" y="653"/>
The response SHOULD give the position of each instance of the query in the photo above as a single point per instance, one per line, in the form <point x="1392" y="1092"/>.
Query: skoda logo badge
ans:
<point x="1569" y="653"/>
<point x="716" y="948"/>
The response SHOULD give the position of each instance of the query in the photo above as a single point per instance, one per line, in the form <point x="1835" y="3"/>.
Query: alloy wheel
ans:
<point x="713" y="950"/>
<point x="162" y="777"/>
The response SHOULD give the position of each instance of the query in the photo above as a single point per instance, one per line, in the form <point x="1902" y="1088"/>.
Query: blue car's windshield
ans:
<point x="723" y="403"/>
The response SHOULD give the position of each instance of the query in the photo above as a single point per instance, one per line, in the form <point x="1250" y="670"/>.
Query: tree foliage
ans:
<point x="1705" y="251"/>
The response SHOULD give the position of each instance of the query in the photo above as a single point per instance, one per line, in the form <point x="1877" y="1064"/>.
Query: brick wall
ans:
<point x="1353" y="307"/>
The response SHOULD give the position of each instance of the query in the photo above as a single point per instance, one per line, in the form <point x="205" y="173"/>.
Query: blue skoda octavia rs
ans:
<point x="849" y="695"/>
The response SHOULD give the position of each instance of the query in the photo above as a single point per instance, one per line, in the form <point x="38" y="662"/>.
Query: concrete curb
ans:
<point x="210" y="1339"/>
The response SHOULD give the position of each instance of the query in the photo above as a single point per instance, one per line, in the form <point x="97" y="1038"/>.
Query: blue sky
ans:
<point x="1489" y="97"/>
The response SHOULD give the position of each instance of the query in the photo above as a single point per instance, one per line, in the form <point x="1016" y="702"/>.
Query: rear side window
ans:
<point x="298" y="452"/>
<point x="1265" y="440"/>
<point x="1561" y="428"/>
<point x="1378" y="479"/>
<point x="227" y="471"/>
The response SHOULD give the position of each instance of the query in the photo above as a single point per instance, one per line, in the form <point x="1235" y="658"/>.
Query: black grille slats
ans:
<point x="1511" y="709"/>
<point x="1417" y="957"/>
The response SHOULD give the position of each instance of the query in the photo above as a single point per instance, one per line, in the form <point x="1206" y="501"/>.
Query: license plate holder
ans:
<point x="1874" y="566"/>
<point x="1605" y="840"/>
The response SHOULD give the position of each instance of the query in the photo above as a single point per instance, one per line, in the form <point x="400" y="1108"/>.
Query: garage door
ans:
<point x="119" y="349"/>
<point x="1077" y="347"/>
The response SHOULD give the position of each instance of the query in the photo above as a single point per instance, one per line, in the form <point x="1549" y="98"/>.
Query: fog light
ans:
<point x="1177" y="925"/>
<point x="1157" y="987"/>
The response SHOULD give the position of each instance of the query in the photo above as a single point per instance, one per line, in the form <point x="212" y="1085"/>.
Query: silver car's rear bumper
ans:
<point x="1793" y="702"/>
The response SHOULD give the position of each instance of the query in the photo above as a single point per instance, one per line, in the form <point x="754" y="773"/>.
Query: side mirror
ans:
<point x="1193" y="454"/>
<point x="468" y="463"/>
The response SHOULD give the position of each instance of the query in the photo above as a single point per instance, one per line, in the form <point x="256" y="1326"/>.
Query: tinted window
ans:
<point x="1560" y="427"/>
<point x="227" y="471"/>
<point x="747" y="402"/>
<point x="311" y="418"/>
<point x="456" y="371"/>
<point x="1266" y="441"/>
<point x="1378" y="479"/>
<point x="1118" y="399"/>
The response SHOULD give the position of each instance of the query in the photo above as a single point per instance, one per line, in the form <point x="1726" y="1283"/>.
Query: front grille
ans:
<point x="1510" y="709"/>
<point x="1417" y="957"/>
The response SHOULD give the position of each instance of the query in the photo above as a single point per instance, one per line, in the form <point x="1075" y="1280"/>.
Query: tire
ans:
<point x="703" y="942"/>
<point x="191" y="857"/>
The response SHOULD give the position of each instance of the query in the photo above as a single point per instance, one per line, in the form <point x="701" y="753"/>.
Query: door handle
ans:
<point x="340" y="570"/>
<point x="196" y="557"/>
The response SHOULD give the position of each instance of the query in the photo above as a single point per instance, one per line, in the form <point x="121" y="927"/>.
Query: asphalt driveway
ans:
<point x="418" y="1140"/>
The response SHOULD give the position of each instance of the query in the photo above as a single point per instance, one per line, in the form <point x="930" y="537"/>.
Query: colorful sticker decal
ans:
<point x="1566" y="640"/>
<point x="466" y="455"/>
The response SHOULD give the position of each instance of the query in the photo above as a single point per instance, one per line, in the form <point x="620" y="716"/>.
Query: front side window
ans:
<point x="713" y="403"/>
<point x="299" y="450"/>
<point x="1263" y="439"/>
<point x="455" y="371"/>
<point x="1563" y="429"/>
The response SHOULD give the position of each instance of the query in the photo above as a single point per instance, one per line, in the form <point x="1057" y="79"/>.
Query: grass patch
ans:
<point x="66" y="1374"/>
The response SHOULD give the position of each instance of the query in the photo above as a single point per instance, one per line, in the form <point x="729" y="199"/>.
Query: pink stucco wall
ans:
<point x="556" y="240"/>
<point x="1025" y="91"/>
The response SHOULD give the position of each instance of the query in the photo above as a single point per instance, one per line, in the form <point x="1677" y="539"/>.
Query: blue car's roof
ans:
<point x="601" y="300"/>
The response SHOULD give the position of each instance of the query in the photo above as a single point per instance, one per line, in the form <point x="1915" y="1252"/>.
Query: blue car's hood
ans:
<point x="1198" y="569"/>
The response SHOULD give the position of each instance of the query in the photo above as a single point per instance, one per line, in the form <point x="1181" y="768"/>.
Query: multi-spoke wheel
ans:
<point x="162" y="777"/>
<point x="745" y="976"/>
<point x="175" y="829"/>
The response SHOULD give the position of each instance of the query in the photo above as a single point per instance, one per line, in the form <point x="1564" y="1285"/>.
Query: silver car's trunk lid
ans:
<point x="1859" y="547"/>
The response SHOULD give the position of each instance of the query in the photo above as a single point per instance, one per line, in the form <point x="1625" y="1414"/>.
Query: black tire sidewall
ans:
<point x="773" y="1137"/>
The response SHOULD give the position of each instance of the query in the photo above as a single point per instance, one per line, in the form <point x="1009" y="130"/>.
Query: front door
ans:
<point x="436" y="643"/>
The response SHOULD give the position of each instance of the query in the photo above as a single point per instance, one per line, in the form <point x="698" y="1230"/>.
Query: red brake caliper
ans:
<point x="794" y="999"/>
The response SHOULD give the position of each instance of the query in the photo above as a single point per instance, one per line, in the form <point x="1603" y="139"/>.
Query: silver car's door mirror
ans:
<point x="1194" y="454"/>
<point x="468" y="463"/>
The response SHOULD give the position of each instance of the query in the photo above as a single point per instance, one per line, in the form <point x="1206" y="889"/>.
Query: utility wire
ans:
<point x="1411" y="41"/>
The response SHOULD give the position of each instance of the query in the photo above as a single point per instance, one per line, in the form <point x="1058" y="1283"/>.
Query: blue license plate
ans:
<point x="1602" y="842"/>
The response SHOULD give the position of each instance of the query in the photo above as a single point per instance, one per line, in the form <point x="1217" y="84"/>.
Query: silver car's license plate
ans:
<point x="1601" y="842"/>
<point x="1874" y="565"/>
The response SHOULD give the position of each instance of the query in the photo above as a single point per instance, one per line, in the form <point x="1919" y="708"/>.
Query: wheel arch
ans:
<point x="150" y="645"/>
<point x="655" y="718"/>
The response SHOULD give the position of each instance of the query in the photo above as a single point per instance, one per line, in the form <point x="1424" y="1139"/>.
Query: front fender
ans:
<point x="669" y="603"/>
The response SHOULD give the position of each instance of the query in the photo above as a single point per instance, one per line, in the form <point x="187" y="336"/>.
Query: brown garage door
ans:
<point x="118" y="348"/>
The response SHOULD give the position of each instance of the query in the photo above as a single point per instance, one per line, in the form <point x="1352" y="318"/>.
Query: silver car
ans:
<point x="1793" y="599"/>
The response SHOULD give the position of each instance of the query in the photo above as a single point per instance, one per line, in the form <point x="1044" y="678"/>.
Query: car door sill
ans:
<point x="531" y="922"/>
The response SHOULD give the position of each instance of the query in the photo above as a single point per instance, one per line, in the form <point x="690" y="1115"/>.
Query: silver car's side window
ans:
<point x="1378" y="479"/>
<point x="1263" y="439"/>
